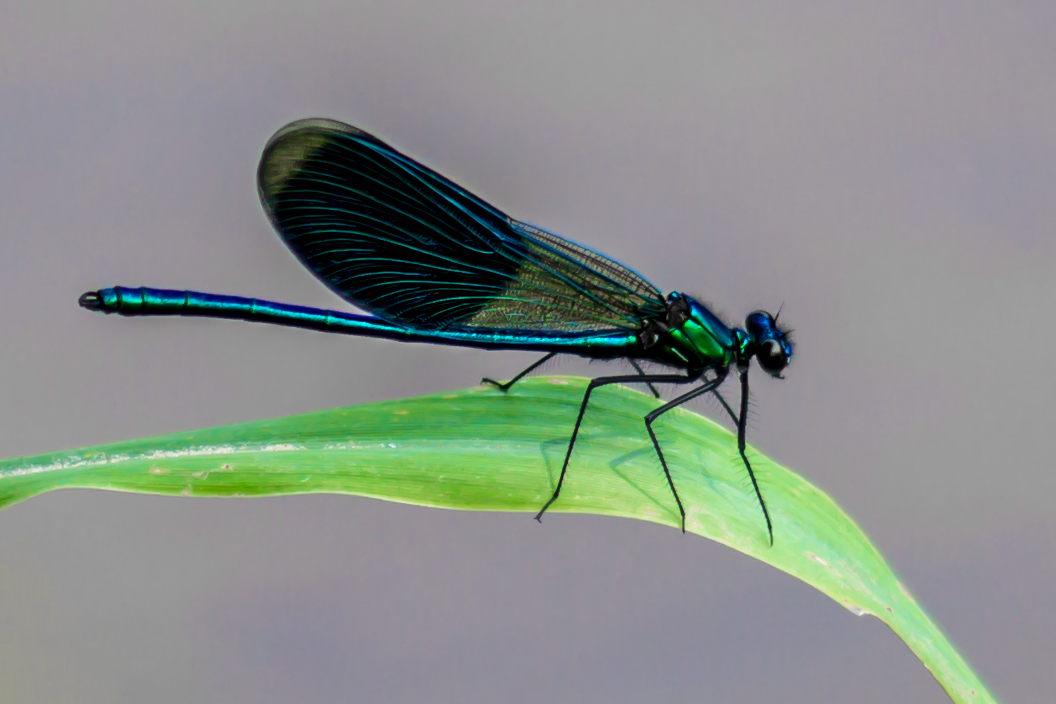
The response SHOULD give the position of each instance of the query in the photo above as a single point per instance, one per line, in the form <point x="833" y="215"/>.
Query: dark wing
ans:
<point x="401" y="241"/>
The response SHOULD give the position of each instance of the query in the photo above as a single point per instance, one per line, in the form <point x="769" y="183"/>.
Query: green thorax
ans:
<point x="692" y="337"/>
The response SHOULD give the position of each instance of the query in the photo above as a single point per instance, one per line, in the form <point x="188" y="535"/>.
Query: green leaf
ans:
<point x="480" y="449"/>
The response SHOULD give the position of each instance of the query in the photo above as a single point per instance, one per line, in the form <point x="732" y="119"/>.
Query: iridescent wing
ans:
<point x="397" y="239"/>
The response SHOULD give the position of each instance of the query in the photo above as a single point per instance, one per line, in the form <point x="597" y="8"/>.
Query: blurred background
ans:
<point x="884" y="169"/>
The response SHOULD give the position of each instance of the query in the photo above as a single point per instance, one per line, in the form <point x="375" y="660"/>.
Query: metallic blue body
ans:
<point x="153" y="301"/>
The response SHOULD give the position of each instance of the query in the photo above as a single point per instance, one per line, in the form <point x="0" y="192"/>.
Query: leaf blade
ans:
<point x="479" y="449"/>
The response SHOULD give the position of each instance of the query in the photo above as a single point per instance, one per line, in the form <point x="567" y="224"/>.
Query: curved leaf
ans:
<point x="480" y="449"/>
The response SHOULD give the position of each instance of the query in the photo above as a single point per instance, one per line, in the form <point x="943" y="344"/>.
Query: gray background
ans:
<point x="885" y="169"/>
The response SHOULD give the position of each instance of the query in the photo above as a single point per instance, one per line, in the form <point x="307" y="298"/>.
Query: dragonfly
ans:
<point x="434" y="263"/>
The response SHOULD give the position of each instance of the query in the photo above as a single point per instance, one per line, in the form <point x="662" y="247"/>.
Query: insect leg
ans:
<point x="638" y="369"/>
<point x="741" y="431"/>
<point x="506" y="387"/>
<point x="736" y="420"/>
<point x="595" y="383"/>
<point x="654" y="414"/>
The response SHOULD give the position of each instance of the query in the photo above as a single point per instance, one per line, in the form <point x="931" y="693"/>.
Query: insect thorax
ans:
<point x="690" y="337"/>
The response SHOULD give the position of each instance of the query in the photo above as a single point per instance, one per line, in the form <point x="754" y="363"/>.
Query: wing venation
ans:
<point x="395" y="238"/>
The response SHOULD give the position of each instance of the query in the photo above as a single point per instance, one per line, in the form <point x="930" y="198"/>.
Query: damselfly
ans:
<point x="435" y="263"/>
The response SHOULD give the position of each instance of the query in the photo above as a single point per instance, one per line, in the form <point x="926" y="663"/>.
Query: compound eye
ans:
<point x="772" y="356"/>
